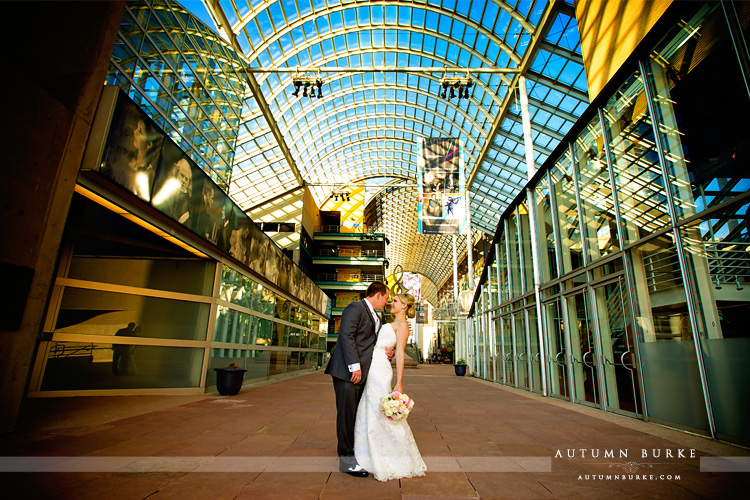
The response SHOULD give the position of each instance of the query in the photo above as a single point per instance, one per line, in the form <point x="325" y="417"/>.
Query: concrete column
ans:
<point x="54" y="76"/>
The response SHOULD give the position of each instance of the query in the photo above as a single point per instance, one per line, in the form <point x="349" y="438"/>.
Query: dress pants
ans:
<point x="347" y="400"/>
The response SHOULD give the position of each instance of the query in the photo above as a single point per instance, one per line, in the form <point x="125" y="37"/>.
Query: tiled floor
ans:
<point x="479" y="440"/>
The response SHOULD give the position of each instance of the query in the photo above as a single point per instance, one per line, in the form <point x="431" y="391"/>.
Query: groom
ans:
<point x="349" y="365"/>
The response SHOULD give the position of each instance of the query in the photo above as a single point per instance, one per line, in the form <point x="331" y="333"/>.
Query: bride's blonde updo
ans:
<point x="408" y="299"/>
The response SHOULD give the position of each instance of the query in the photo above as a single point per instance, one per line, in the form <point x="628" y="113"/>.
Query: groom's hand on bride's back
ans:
<point x="390" y="352"/>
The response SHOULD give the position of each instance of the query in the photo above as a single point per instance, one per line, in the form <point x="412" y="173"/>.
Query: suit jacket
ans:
<point x="355" y="343"/>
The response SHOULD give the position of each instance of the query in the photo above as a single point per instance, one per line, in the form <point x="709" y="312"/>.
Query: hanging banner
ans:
<point x="440" y="178"/>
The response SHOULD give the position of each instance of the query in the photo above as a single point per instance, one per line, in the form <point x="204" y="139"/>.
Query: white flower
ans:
<point x="396" y="406"/>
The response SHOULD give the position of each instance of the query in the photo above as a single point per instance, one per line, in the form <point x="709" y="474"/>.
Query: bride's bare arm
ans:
<point x="402" y="336"/>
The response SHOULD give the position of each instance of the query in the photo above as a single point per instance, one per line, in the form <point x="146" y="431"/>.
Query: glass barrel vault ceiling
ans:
<point x="366" y="126"/>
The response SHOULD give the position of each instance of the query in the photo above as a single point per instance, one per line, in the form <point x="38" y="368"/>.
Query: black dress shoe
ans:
<point x="355" y="470"/>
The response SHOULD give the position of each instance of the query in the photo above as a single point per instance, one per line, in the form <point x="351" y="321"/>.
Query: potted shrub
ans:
<point x="460" y="367"/>
<point x="229" y="379"/>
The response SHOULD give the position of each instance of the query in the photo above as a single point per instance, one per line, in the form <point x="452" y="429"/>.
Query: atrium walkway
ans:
<point x="277" y="441"/>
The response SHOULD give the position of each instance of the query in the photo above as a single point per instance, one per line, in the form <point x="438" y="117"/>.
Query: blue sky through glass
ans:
<point x="199" y="10"/>
<point x="367" y="126"/>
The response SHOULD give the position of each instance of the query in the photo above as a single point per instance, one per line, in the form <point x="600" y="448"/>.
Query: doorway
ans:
<point x="618" y="357"/>
<point x="583" y="351"/>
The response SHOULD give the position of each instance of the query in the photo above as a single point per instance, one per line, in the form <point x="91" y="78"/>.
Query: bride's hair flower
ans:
<point x="396" y="406"/>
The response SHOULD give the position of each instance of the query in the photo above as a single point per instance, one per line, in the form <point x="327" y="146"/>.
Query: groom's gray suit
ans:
<point x="355" y="344"/>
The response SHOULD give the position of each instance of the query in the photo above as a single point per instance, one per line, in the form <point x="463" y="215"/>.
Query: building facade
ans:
<point x="619" y="277"/>
<point x="160" y="277"/>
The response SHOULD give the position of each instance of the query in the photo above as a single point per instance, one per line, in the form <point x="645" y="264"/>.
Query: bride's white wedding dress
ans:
<point x="384" y="447"/>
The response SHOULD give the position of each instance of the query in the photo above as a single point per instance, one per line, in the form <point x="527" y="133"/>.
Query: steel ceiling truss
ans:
<point x="287" y="142"/>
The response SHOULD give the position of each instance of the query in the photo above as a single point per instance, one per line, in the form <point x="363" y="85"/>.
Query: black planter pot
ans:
<point x="460" y="370"/>
<point x="229" y="380"/>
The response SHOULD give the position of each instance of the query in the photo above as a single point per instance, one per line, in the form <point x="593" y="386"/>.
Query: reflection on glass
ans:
<point x="558" y="367"/>
<point x="706" y="143"/>
<point x="514" y="257"/>
<point x="670" y="369"/>
<point x="585" y="376"/>
<point x="492" y="279"/>
<point x="238" y="288"/>
<point x="614" y="266"/>
<point x="234" y="327"/>
<point x="94" y="312"/>
<point x="503" y="283"/>
<point x="255" y="362"/>
<point x="509" y="350"/>
<point x="620" y="366"/>
<point x="640" y="185"/>
<point x="278" y="362"/>
<point x="599" y="221"/>
<point x="534" y="352"/>
<point x="263" y="331"/>
<point x="719" y="269"/>
<point x="498" y="358"/>
<point x="546" y="233"/>
<point x="74" y="366"/>
<point x="524" y="234"/>
<point x="567" y="213"/>
<point x="489" y="348"/>
<point x="218" y="95"/>
<point x="173" y="275"/>
<point x="480" y="346"/>
<point x="522" y="355"/>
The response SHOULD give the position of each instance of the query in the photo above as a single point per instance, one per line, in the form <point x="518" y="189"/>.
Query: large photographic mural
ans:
<point x="138" y="156"/>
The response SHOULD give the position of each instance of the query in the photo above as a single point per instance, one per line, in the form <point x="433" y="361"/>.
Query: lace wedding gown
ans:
<point x="384" y="447"/>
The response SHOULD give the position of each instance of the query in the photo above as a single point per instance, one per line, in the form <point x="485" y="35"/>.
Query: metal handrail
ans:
<point x="351" y="278"/>
<point x="349" y="252"/>
<point x="663" y="271"/>
<point x="338" y="228"/>
<point x="64" y="351"/>
<point x="728" y="261"/>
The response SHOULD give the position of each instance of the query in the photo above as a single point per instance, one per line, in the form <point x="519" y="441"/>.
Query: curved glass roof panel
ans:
<point x="381" y="63"/>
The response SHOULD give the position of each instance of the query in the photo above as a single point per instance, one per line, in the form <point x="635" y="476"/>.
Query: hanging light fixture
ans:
<point x="342" y="195"/>
<point x="309" y="85"/>
<point x="458" y="87"/>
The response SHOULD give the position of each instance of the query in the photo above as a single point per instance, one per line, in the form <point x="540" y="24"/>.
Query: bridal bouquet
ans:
<point x="396" y="406"/>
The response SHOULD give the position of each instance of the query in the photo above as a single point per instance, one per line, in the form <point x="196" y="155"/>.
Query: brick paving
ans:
<point x="277" y="441"/>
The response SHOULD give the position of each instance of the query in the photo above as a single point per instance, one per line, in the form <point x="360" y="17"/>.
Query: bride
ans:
<point x="382" y="446"/>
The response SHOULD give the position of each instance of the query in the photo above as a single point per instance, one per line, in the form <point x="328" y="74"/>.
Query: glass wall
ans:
<point x="600" y="223"/>
<point x="571" y="246"/>
<point x="186" y="77"/>
<point x="116" y="320"/>
<point x="546" y="224"/>
<point x="130" y="311"/>
<point x="262" y="331"/>
<point x="644" y="243"/>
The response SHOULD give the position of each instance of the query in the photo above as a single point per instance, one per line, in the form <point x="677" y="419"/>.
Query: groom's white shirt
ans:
<point x="354" y="367"/>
